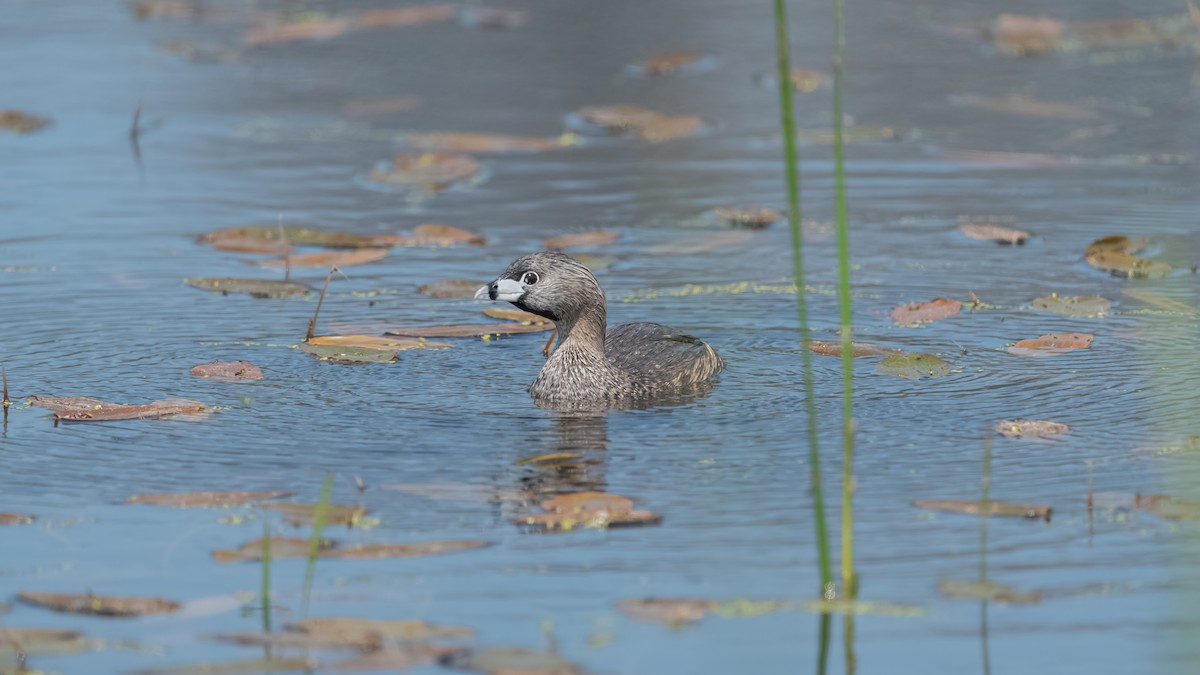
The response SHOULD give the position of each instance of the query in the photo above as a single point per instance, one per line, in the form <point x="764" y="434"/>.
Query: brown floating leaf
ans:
<point x="259" y="288"/>
<point x="100" y="605"/>
<point x="412" y="15"/>
<point x="987" y="590"/>
<point x="383" y="344"/>
<point x="363" y="633"/>
<point x="514" y="314"/>
<point x="229" y="370"/>
<point x="1030" y="428"/>
<point x="671" y="611"/>
<point x="1081" y="307"/>
<point x="22" y="123"/>
<point x="428" y="234"/>
<point x="430" y="171"/>
<point x="382" y="106"/>
<point x="551" y="459"/>
<point x="749" y="218"/>
<point x="997" y="233"/>
<point x="15" y="519"/>
<point x="1026" y="35"/>
<point x="638" y="122"/>
<point x="393" y="658"/>
<point x="336" y="259"/>
<point x="157" y="9"/>
<point x="588" y="502"/>
<point x="309" y="28"/>
<point x="1114" y="254"/>
<point x="243" y="240"/>
<point x="24" y="642"/>
<point x="293" y="641"/>
<point x="668" y="128"/>
<point x="913" y="366"/>
<point x="304" y="235"/>
<point x="1028" y="107"/>
<point x="857" y="349"/>
<point x="305" y="514"/>
<point x="805" y="80"/>
<point x="971" y="506"/>
<point x="243" y="667"/>
<point x="667" y="64"/>
<point x="470" y="330"/>
<point x="380" y="551"/>
<point x="477" y="142"/>
<point x="1054" y="343"/>
<point x="918" y="312"/>
<point x="477" y="16"/>
<point x="590" y="238"/>
<point x="205" y="499"/>
<point x="85" y="409"/>
<point x="450" y="288"/>
<point x="510" y="661"/>
<point x="1165" y="506"/>
<point x="282" y="548"/>
<point x="590" y="519"/>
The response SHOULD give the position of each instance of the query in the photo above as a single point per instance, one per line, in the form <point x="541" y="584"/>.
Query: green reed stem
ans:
<point x="792" y="166"/>
<point x="265" y="592"/>
<point x="314" y="544"/>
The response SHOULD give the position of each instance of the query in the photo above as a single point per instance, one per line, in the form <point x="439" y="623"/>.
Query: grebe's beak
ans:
<point x="508" y="290"/>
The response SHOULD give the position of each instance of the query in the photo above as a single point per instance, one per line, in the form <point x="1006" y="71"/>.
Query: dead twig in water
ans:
<point x="312" y="323"/>
<point x="5" y="401"/>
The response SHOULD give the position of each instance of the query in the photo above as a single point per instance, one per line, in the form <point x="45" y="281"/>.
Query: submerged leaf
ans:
<point x="857" y="349"/>
<point x="671" y="611"/>
<point x="85" y="409"/>
<point x="100" y="605"/>
<point x="333" y="259"/>
<point x="997" y="233"/>
<point x="418" y="550"/>
<point x="282" y="548"/>
<point x="920" y="312"/>
<point x="1081" y="307"/>
<point x="1030" y="428"/>
<point x="259" y="288"/>
<point x="995" y="508"/>
<point x="205" y="499"/>
<point x="1162" y="302"/>
<point x="469" y="330"/>
<point x="24" y="642"/>
<point x="589" y="238"/>
<point x="987" y="590"/>
<point x="913" y="366"/>
<point x="1170" y="508"/>
<point x="305" y="514"/>
<point x="1051" y="344"/>
<point x="430" y="171"/>
<point x="229" y="370"/>
<point x="450" y="288"/>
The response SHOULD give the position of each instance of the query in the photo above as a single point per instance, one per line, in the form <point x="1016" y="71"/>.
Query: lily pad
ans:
<point x="183" y="500"/>
<point x="475" y="142"/>
<point x="636" y="122"/>
<point x="1026" y="106"/>
<point x="1114" y="254"/>
<point x="228" y="370"/>
<point x="666" y="64"/>
<point x="450" y="288"/>
<point x="920" y="312"/>
<point x="995" y="508"/>
<point x="997" y="233"/>
<point x="670" y="611"/>
<point x="1030" y="428"/>
<point x="384" y="344"/>
<point x="987" y="590"/>
<point x="857" y="349"/>
<point x="598" y="520"/>
<point x="1080" y="307"/>
<point x="1170" y="508"/>
<point x="301" y="235"/>
<point x="751" y="218"/>
<point x="328" y="259"/>
<point x="514" y="314"/>
<point x="100" y="605"/>
<point x="22" y="123"/>
<point x="575" y="239"/>
<point x="247" y="240"/>
<point x="429" y="172"/>
<point x="258" y="288"/>
<point x="85" y="409"/>
<point x="470" y="330"/>
<point x="363" y="633"/>
<point x="243" y="667"/>
<point x="312" y="27"/>
<point x="418" y="550"/>
<point x="1021" y="35"/>
<point x="282" y="548"/>
<point x="1051" y="344"/>
<point x="913" y="366"/>
<point x="588" y="502"/>
<point x="433" y="234"/>
<point x="15" y="519"/>
<point x="24" y="642"/>
<point x="305" y="514"/>
<point x="411" y="15"/>
<point x="510" y="661"/>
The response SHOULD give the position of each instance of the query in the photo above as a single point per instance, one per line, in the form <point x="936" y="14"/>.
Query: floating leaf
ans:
<point x="309" y="28"/>
<point x="987" y="590"/>
<point x="913" y="366"/>
<point x="1162" y="302"/>
<point x="514" y="314"/>
<point x="364" y="632"/>
<point x="477" y="16"/>
<point x="259" y="288"/>
<point x="85" y="409"/>
<point x="163" y="9"/>
<point x="303" y="235"/>
<point x="293" y="641"/>
<point x="510" y="661"/>
<point x="1030" y="428"/>
<point x="1114" y="254"/>
<point x="588" y="502"/>
<point x="205" y="499"/>
<point x="997" y="233"/>
<point x="669" y="128"/>
<point x="919" y="312"/>
<point x="450" y="288"/>
<point x="431" y="234"/>
<point x="462" y="492"/>
<point x="382" y="106"/>
<point x="590" y="519"/>
<point x="995" y="508"/>
<point x="671" y="611"/>
<point x="229" y="370"/>
<point x="1054" y="343"/>
<point x="857" y="349"/>
<point x="411" y="15"/>
<point x="334" y="259"/>
<point x="380" y="551"/>
<point x="554" y="458"/>
<point x="637" y="122"/>
<point x="1026" y="35"/>
<point x="750" y="218"/>
<point x="282" y="548"/>
<point x="476" y="142"/>
<point x="849" y="607"/>
<point x="669" y="63"/>
<point x="805" y="80"/>
<point x="247" y="240"/>
<point x="22" y="123"/>
<point x="1028" y="107"/>
<point x="244" y="667"/>
<point x="1081" y="307"/>
<point x="305" y="514"/>
<point x="15" y="519"/>
<point x="470" y="330"/>
<point x="1170" y="508"/>
<point x="396" y="658"/>
<point x="384" y="344"/>
<point x="710" y="241"/>
<point x="24" y="642"/>
<point x="430" y="171"/>
<point x="350" y="353"/>
<point x="100" y="605"/>
<point x="589" y="238"/>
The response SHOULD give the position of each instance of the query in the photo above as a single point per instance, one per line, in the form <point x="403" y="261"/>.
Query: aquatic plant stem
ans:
<point x="314" y="544"/>
<point x="792" y="169"/>
<point x="265" y="591"/>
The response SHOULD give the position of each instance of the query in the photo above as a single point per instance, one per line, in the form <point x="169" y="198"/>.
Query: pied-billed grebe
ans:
<point x="592" y="363"/>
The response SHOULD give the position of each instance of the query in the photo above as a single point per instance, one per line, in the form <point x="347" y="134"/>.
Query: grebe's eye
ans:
<point x="529" y="278"/>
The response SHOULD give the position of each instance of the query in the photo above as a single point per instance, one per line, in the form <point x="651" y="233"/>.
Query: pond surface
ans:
<point x="95" y="243"/>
